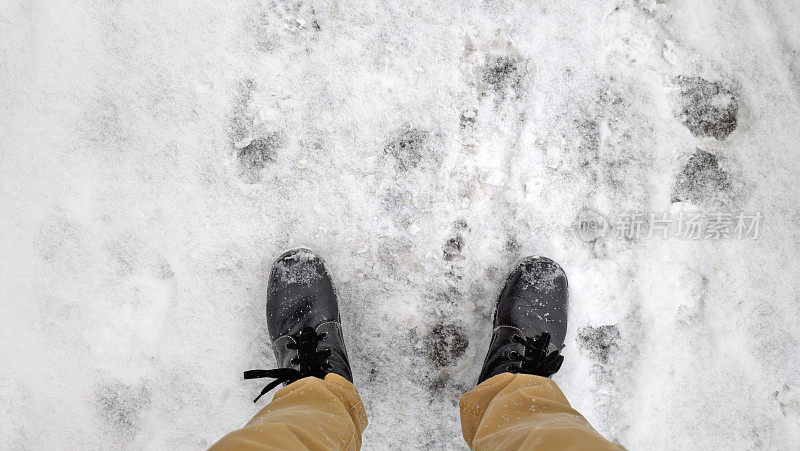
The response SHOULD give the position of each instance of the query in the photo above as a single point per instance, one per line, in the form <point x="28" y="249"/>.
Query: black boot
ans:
<point x="303" y="322"/>
<point x="530" y="321"/>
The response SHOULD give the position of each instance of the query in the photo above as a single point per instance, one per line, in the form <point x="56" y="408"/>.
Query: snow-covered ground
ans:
<point x="157" y="155"/>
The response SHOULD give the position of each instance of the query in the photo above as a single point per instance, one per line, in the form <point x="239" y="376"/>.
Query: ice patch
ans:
<point x="707" y="109"/>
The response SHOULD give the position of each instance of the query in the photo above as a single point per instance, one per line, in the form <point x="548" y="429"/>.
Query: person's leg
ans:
<point x="311" y="413"/>
<point x="515" y="405"/>
<point x="320" y="408"/>
<point x="521" y="411"/>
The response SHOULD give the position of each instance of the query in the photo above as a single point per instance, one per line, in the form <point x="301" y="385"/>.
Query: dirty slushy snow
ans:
<point x="157" y="156"/>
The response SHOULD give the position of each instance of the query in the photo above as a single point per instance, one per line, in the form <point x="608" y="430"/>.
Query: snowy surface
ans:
<point x="156" y="156"/>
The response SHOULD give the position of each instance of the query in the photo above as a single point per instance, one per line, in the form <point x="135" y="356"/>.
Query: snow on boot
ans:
<point x="303" y="322"/>
<point x="530" y="321"/>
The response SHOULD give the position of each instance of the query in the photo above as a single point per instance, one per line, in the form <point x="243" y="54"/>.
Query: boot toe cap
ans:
<point x="535" y="299"/>
<point x="539" y="273"/>
<point x="300" y="293"/>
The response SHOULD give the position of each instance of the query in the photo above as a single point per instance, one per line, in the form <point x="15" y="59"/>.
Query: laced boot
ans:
<point x="530" y="321"/>
<point x="303" y="322"/>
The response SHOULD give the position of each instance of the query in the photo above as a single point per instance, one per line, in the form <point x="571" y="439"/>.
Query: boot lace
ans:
<point x="312" y="362"/>
<point x="536" y="360"/>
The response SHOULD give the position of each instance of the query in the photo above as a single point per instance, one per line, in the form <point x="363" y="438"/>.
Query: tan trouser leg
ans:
<point x="519" y="411"/>
<point x="311" y="413"/>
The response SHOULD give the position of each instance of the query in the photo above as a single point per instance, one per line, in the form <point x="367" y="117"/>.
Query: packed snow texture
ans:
<point x="158" y="155"/>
